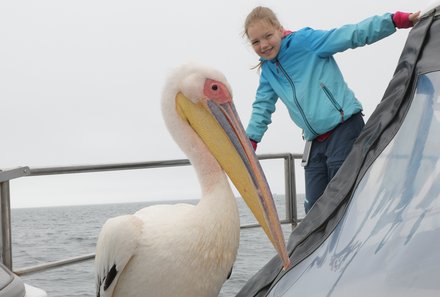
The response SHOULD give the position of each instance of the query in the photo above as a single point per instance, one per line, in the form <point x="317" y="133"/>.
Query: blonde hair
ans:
<point x="260" y="13"/>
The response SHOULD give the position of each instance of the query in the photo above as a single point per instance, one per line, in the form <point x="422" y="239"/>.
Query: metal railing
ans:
<point x="5" y="198"/>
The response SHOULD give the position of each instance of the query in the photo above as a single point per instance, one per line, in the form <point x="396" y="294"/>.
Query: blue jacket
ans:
<point x="307" y="79"/>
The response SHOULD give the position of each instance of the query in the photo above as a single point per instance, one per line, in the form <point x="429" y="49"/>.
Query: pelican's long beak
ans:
<point x="219" y="126"/>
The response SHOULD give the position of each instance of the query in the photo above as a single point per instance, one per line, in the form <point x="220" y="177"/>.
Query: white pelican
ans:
<point x="186" y="250"/>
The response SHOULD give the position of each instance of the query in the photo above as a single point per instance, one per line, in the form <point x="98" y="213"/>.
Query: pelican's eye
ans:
<point x="217" y="91"/>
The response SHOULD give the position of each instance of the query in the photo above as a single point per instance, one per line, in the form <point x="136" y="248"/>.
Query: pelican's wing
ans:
<point x="116" y="245"/>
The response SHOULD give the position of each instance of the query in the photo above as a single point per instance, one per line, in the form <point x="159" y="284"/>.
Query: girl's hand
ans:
<point x="404" y="20"/>
<point x="414" y="17"/>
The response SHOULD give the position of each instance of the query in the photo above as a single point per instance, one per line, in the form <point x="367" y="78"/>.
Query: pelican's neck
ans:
<point x="209" y="172"/>
<point x="216" y="192"/>
<point x="217" y="205"/>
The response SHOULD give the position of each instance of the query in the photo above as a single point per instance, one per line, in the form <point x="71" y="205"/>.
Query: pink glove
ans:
<point x="401" y="20"/>
<point x="254" y="144"/>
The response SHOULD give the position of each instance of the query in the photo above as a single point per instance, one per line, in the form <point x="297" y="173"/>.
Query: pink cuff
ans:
<point x="254" y="144"/>
<point x="286" y="32"/>
<point x="401" y="20"/>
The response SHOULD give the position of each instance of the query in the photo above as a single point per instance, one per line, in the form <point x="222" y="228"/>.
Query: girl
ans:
<point x="299" y="68"/>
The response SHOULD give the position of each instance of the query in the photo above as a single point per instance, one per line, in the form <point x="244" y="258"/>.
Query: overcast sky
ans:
<point x="80" y="83"/>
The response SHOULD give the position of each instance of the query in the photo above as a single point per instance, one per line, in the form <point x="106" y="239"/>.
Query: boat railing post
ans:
<point x="5" y="214"/>
<point x="290" y="190"/>
<point x="1" y="225"/>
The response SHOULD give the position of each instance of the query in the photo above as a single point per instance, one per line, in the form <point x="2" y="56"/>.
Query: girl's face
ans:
<point x="265" y="39"/>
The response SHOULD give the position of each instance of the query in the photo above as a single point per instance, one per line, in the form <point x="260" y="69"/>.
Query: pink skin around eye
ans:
<point x="217" y="91"/>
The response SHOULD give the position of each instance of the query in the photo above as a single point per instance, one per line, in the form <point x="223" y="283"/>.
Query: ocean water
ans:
<point x="40" y="235"/>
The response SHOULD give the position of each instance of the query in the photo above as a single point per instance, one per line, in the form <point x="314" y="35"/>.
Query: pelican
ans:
<point x="188" y="250"/>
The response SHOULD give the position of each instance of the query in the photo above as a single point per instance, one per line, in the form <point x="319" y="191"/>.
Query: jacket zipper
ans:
<point x="278" y="64"/>
<point x="333" y="101"/>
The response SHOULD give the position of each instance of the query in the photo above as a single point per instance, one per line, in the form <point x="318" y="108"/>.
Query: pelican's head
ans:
<point x="202" y="99"/>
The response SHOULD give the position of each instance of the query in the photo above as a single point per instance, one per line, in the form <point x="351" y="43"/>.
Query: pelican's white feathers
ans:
<point x="188" y="250"/>
<point x="175" y="250"/>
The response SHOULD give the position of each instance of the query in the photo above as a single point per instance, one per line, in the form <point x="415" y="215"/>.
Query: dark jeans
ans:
<point x="327" y="156"/>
